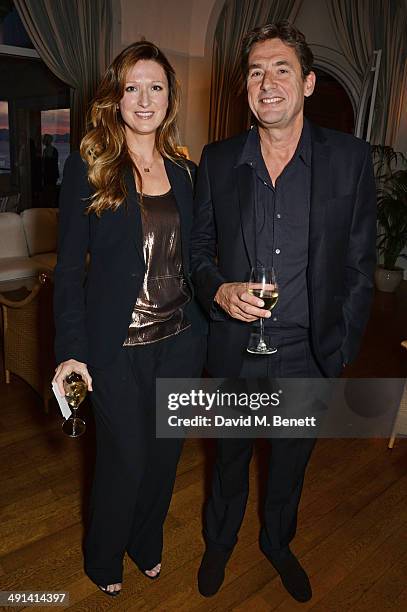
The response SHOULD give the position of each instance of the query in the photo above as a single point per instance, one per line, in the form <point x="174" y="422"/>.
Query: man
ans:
<point x="50" y="162"/>
<point x="300" y="198"/>
<point x="50" y="171"/>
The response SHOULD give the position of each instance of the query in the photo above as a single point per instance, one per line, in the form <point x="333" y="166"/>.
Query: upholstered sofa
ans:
<point x="28" y="244"/>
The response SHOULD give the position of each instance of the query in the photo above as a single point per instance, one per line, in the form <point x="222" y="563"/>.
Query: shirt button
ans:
<point x="278" y="251"/>
<point x="274" y="318"/>
<point x="278" y="216"/>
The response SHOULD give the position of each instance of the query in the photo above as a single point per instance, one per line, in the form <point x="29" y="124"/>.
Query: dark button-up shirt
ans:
<point x="281" y="221"/>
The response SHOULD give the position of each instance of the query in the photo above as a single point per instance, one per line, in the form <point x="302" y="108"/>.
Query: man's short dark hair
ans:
<point x="288" y="34"/>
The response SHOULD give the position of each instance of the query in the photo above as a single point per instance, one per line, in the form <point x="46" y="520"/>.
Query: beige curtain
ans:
<point x="237" y="18"/>
<point x="390" y="34"/>
<point x="73" y="38"/>
<point x="360" y="28"/>
<point x="352" y="30"/>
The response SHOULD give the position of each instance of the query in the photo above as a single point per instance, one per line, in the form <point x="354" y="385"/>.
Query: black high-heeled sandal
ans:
<point x="143" y="571"/>
<point x="109" y="593"/>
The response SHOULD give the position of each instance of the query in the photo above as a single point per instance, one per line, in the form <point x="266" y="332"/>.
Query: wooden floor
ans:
<point x="352" y="529"/>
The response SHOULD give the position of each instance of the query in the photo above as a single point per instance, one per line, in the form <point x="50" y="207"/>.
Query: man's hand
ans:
<point x="239" y="304"/>
<point x="67" y="367"/>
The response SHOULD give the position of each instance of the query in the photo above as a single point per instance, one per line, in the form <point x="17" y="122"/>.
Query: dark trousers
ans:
<point x="135" y="471"/>
<point x="287" y="463"/>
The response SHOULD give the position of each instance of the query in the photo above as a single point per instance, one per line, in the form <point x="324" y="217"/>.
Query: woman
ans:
<point x="127" y="200"/>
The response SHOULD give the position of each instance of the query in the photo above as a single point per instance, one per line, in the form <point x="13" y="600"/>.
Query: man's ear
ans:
<point x="309" y="84"/>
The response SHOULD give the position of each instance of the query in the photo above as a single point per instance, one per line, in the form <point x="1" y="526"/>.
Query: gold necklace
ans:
<point x="145" y="167"/>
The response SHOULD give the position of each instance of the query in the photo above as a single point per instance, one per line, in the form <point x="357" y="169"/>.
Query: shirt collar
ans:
<point x="304" y="144"/>
<point x="251" y="149"/>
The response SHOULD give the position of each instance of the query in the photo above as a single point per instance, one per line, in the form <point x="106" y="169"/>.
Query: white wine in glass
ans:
<point x="263" y="284"/>
<point x="75" y="392"/>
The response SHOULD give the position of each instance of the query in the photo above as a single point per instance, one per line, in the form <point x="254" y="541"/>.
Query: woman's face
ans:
<point x="145" y="101"/>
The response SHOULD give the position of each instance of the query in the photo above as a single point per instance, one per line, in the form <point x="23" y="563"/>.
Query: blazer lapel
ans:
<point x="182" y="190"/>
<point x="245" y="186"/>
<point x="133" y="213"/>
<point x="320" y="192"/>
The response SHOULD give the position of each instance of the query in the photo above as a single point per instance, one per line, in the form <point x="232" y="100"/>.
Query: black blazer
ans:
<point x="342" y="246"/>
<point x="93" y="309"/>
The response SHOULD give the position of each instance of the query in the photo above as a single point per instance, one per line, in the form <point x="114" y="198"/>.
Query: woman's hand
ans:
<point x="67" y="367"/>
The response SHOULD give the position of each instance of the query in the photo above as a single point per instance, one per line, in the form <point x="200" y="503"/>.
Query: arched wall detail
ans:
<point x="334" y="63"/>
<point x="211" y="27"/>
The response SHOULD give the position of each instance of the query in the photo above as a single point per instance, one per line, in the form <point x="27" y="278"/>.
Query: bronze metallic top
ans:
<point x="158" y="312"/>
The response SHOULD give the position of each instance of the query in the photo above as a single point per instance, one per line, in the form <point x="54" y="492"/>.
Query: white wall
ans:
<point x="313" y="20"/>
<point x="179" y="25"/>
<point x="165" y="22"/>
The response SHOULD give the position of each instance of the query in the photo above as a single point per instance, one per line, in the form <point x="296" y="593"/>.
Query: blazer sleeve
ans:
<point x="69" y="275"/>
<point x="360" y="261"/>
<point x="205" y="273"/>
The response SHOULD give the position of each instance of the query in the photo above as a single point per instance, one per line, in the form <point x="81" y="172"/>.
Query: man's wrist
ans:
<point x="216" y="296"/>
<point x="216" y="312"/>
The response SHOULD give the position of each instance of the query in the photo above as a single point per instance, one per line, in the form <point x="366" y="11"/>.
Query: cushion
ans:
<point x="12" y="238"/>
<point x="40" y="227"/>
<point x="46" y="260"/>
<point x="18" y="267"/>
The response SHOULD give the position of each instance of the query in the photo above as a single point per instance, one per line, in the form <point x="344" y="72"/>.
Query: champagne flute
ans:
<point x="263" y="284"/>
<point x="75" y="392"/>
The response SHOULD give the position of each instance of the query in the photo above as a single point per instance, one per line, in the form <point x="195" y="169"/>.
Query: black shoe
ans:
<point x="106" y="592"/>
<point x="293" y="576"/>
<point x="211" y="573"/>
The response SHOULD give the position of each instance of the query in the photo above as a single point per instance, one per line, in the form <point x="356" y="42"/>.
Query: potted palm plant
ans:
<point x="391" y="178"/>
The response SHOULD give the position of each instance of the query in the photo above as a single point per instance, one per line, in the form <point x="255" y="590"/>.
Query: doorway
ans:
<point x="330" y="106"/>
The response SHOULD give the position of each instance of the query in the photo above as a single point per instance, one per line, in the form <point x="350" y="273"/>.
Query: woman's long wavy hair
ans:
<point x="104" y="147"/>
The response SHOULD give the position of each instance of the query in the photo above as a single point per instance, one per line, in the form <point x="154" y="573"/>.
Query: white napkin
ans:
<point x="63" y="404"/>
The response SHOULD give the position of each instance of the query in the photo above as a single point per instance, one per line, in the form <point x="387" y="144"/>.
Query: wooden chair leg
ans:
<point x="7" y="373"/>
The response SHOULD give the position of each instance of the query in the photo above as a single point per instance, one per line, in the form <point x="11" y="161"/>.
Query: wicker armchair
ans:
<point x="28" y="333"/>
<point x="400" y="424"/>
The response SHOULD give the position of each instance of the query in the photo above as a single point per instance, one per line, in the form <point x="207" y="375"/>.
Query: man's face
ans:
<point x="275" y="86"/>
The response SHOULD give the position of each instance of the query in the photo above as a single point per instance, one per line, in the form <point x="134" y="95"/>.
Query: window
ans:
<point x="4" y="139"/>
<point x="56" y="123"/>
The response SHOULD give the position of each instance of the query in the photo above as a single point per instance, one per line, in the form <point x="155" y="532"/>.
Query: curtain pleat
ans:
<point x="390" y="34"/>
<point x="73" y="38"/>
<point x="360" y="28"/>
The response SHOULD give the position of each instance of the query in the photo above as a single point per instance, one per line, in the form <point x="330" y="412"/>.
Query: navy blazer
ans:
<point x="341" y="253"/>
<point x="93" y="308"/>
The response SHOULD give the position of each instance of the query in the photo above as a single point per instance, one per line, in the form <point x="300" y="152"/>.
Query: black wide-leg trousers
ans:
<point x="287" y="462"/>
<point x="134" y="471"/>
